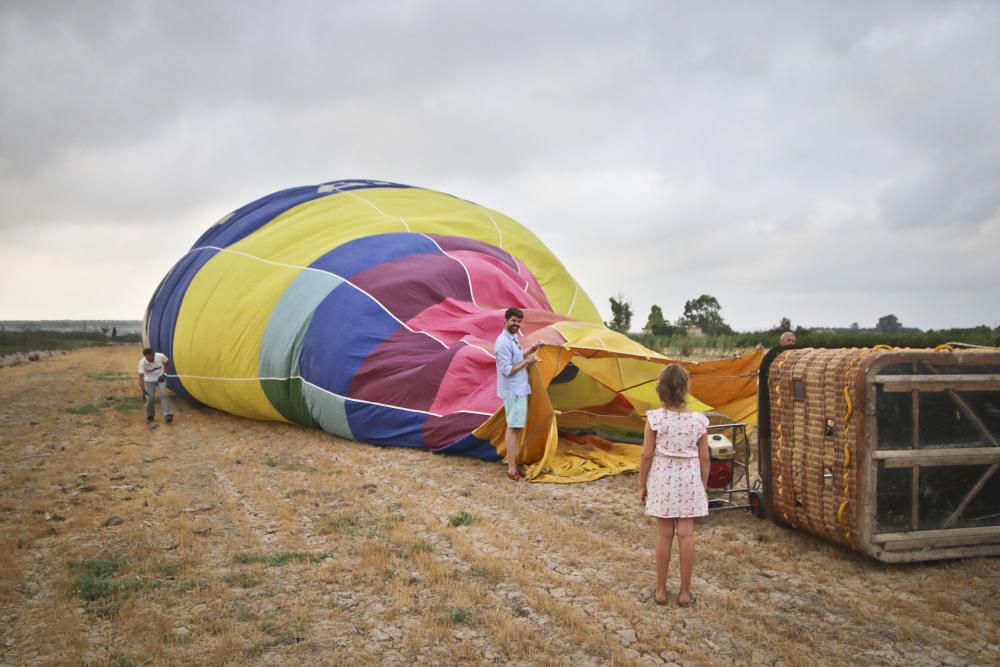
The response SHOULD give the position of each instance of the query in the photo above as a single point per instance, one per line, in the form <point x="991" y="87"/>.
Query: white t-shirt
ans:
<point x="152" y="370"/>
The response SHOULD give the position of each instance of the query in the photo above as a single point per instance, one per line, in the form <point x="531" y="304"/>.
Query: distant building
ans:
<point x="694" y="331"/>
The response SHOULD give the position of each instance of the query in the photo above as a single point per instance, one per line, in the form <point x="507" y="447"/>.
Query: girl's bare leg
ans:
<point x="685" y="537"/>
<point x="664" y="545"/>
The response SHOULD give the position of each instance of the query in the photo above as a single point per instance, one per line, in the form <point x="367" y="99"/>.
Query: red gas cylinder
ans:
<point x="721" y="454"/>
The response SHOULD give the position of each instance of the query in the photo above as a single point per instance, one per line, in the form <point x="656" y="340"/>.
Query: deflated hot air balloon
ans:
<point x="369" y="309"/>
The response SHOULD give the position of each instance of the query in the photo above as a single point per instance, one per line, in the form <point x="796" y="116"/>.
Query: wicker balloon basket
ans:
<point x="891" y="452"/>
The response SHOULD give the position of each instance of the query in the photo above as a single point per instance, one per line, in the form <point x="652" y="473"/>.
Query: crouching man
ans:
<point x="153" y="367"/>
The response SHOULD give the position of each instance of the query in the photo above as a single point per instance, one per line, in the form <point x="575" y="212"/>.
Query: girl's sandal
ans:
<point x="515" y="476"/>
<point x="689" y="603"/>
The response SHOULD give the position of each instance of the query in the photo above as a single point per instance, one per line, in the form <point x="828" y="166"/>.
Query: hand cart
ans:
<point x="729" y="483"/>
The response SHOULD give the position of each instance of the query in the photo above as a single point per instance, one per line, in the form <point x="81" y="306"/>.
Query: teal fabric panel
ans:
<point x="281" y="348"/>
<point x="327" y="410"/>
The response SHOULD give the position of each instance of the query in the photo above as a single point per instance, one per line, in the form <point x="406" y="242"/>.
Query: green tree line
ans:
<point x="975" y="336"/>
<point x="705" y="312"/>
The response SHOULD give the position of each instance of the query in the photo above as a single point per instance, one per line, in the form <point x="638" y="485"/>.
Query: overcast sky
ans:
<point x="826" y="162"/>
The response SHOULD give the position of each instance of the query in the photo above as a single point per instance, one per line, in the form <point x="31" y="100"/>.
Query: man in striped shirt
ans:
<point x="512" y="385"/>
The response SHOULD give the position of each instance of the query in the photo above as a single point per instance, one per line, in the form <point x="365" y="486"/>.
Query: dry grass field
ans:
<point x="219" y="540"/>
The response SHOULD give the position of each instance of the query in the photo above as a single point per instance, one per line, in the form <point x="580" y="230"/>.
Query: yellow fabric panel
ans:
<point x="582" y="391"/>
<point x="610" y="362"/>
<point x="219" y="328"/>
<point x="747" y="363"/>
<point x="225" y="311"/>
<point x="550" y="459"/>
<point x="645" y="398"/>
<point x="605" y="370"/>
<point x="603" y="342"/>
<point x="584" y="462"/>
<point x="621" y="364"/>
<point x="540" y="432"/>
<point x="541" y="418"/>
<point x="550" y="449"/>
<point x="726" y="380"/>
<point x="581" y="420"/>
<point x="742" y="410"/>
<point x="546" y="457"/>
<point x="619" y="373"/>
<point x="493" y="430"/>
<point x="595" y="384"/>
<point x="325" y="223"/>
<point x="308" y="231"/>
<point x="713" y="383"/>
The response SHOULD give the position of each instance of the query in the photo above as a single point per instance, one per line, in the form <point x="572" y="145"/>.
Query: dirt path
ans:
<point x="219" y="540"/>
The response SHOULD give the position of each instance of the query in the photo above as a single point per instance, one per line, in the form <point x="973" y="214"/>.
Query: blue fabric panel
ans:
<point x="470" y="445"/>
<point x="567" y="374"/>
<point x="166" y="305"/>
<point x="251" y="217"/>
<point x="361" y="254"/>
<point x="379" y="425"/>
<point x="345" y="328"/>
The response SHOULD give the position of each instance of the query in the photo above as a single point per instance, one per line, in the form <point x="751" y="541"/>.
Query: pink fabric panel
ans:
<point x="450" y="243"/>
<point x="407" y="285"/>
<point x="470" y="383"/>
<point x="452" y="321"/>
<point x="496" y="285"/>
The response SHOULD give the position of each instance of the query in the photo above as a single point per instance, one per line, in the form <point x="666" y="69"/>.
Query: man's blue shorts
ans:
<point x="516" y="408"/>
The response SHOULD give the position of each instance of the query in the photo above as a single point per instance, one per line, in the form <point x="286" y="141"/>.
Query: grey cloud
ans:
<point x="632" y="138"/>
<point x="960" y="192"/>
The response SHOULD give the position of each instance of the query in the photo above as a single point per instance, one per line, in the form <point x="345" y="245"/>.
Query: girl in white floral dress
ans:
<point x="674" y="478"/>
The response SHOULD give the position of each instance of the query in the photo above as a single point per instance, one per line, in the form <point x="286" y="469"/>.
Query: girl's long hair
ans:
<point x="672" y="388"/>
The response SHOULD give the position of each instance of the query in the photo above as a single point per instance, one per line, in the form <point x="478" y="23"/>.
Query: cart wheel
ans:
<point x="757" y="508"/>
